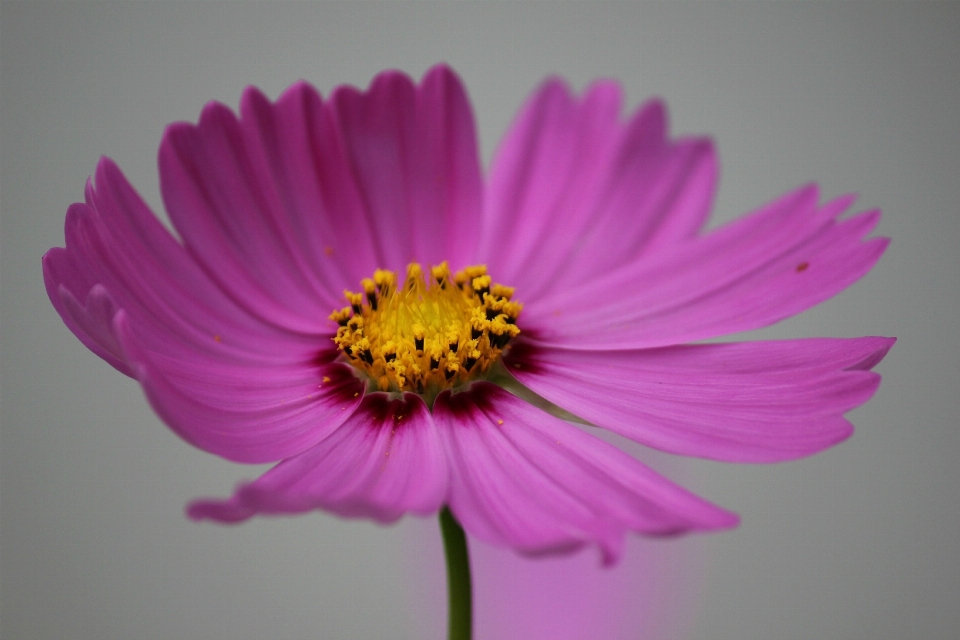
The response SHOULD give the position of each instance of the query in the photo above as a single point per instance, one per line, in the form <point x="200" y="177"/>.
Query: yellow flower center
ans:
<point x="426" y="334"/>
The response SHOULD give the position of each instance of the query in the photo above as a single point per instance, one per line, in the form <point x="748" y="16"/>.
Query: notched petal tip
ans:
<point x="550" y="90"/>
<point x="443" y="79"/>
<point x="652" y="117"/>
<point x="391" y="80"/>
<point x="107" y="172"/>
<point x="174" y="131"/>
<point x="76" y="213"/>
<point x="881" y="348"/>
<point x="175" y="137"/>
<point x="252" y="101"/>
<point x="443" y="73"/>
<point x="806" y="195"/>
<point x="718" y="520"/>
<point x="841" y="203"/>
<point x="183" y="139"/>
<point x="214" y="113"/>
<point x="228" y="511"/>
<point x="300" y="91"/>
<point x="92" y="321"/>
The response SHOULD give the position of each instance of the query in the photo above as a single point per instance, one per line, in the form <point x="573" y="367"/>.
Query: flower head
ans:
<point x="349" y="297"/>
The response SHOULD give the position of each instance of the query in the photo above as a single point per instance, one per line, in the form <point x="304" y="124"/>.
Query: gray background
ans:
<point x="862" y="541"/>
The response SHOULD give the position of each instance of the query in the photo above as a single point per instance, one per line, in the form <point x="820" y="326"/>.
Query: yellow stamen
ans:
<point x="426" y="334"/>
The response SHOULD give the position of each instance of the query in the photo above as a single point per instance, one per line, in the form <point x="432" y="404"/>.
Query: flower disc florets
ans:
<point x="426" y="334"/>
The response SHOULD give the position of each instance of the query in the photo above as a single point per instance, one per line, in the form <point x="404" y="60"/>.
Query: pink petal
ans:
<point x="222" y="199"/>
<point x="114" y="241"/>
<point x="775" y="263"/>
<point x="295" y="201"/>
<point x="92" y="322"/>
<point x="318" y="209"/>
<point x="243" y="412"/>
<point x="221" y="378"/>
<point x="412" y="152"/>
<point x="524" y="479"/>
<point x="574" y="192"/>
<point x="386" y="460"/>
<point x="738" y="402"/>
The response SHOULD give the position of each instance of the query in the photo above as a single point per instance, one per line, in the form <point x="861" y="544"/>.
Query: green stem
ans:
<point x="458" y="577"/>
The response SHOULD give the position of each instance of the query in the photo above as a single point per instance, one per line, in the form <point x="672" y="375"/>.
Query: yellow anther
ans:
<point x="501" y="291"/>
<point x="500" y="327"/>
<point x="478" y="319"/>
<point x="453" y="337"/>
<point x="418" y="331"/>
<point x="481" y="283"/>
<point x="361" y="345"/>
<point x="434" y="350"/>
<point x="389" y="349"/>
<point x="468" y="274"/>
<point x="494" y="303"/>
<point x="414" y="274"/>
<point x="385" y="279"/>
<point x="341" y="317"/>
<point x="512" y="309"/>
<point x="355" y="300"/>
<point x="426" y="336"/>
<point x="441" y="272"/>
<point x="399" y="372"/>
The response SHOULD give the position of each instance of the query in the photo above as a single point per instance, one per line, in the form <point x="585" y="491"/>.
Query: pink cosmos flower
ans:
<point x="566" y="284"/>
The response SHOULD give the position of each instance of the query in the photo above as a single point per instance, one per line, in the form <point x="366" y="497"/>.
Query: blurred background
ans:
<point x="862" y="541"/>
